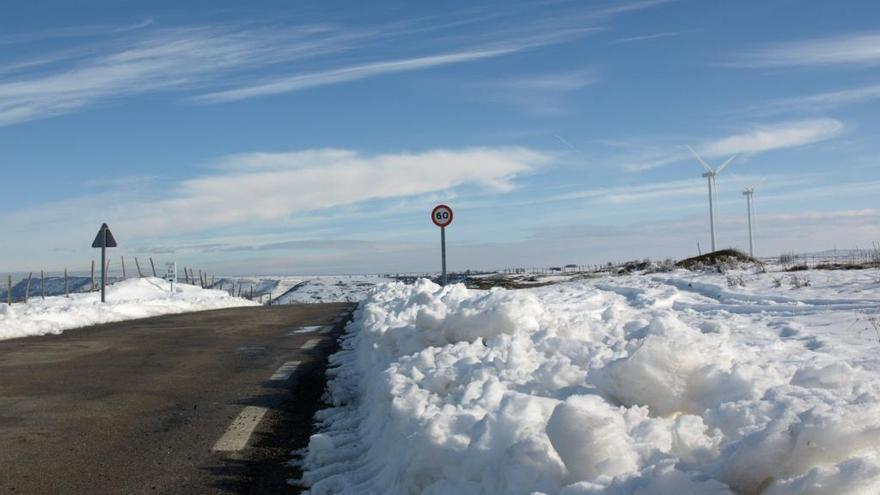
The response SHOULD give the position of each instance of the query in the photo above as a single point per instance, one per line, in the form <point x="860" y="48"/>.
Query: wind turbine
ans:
<point x="749" y="194"/>
<point x="710" y="175"/>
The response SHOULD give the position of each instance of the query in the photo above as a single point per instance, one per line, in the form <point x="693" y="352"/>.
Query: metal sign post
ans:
<point x="171" y="274"/>
<point x="441" y="215"/>
<point x="443" y="251"/>
<point x="103" y="240"/>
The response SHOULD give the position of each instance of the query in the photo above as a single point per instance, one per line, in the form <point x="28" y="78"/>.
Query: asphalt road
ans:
<point x="209" y="402"/>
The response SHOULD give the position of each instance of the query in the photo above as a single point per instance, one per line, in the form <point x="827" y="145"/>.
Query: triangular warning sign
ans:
<point x="100" y="239"/>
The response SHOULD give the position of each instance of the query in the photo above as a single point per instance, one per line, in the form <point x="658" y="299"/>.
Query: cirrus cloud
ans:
<point x="860" y="49"/>
<point x="776" y="136"/>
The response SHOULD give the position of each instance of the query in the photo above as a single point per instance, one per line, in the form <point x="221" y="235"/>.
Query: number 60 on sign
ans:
<point x="441" y="215"/>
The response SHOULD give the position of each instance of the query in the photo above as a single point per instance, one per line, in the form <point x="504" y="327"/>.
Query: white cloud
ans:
<point x="647" y="37"/>
<point x="623" y="7"/>
<point x="775" y="136"/>
<point x="351" y="73"/>
<point x="862" y="49"/>
<point x="646" y="153"/>
<point x="162" y="60"/>
<point x="647" y="160"/>
<point x="827" y="100"/>
<point x="227" y="63"/>
<point x="823" y="215"/>
<point x="646" y="193"/>
<point x="540" y="94"/>
<point x="192" y="58"/>
<point x="247" y="191"/>
<point x="355" y="72"/>
<point x="74" y="32"/>
<point x="266" y="187"/>
<point x="557" y="82"/>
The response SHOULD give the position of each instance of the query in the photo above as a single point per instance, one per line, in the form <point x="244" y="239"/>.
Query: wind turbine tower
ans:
<point x="749" y="193"/>
<point x="710" y="175"/>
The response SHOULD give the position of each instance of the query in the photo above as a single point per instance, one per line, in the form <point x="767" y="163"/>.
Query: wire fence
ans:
<point x="22" y="287"/>
<point x="843" y="260"/>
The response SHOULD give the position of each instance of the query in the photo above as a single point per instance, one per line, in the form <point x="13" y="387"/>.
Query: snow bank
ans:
<point x="577" y="389"/>
<point x="126" y="300"/>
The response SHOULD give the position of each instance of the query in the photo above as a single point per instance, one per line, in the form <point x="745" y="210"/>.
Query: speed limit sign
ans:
<point x="441" y="215"/>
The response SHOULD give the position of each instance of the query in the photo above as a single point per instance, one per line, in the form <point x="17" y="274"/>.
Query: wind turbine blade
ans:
<point x="725" y="164"/>
<point x="700" y="159"/>
<point x="762" y="181"/>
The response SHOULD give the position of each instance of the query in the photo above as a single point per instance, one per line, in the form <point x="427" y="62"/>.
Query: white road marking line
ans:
<point x="310" y="329"/>
<point x="285" y="371"/>
<point x="241" y="429"/>
<point x="310" y="344"/>
<point x="325" y="330"/>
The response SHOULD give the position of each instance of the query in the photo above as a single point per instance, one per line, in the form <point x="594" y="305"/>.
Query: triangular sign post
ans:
<point x="103" y="240"/>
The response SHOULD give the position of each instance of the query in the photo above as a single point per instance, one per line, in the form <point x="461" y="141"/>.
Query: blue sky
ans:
<point x="314" y="137"/>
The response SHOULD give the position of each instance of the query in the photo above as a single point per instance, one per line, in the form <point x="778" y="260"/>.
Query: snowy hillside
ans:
<point x="52" y="285"/>
<point x="671" y="383"/>
<point x="126" y="300"/>
<point x="303" y="288"/>
<point x="321" y="289"/>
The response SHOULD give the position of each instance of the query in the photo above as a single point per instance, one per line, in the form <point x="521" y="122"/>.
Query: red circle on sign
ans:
<point x="441" y="215"/>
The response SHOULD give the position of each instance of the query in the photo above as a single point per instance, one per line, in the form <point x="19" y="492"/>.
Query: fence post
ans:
<point x="42" y="285"/>
<point x="66" y="287"/>
<point x="9" y="291"/>
<point x="138" y="265"/>
<point x="153" y="266"/>
<point x="27" y="290"/>
<point x="123" y="267"/>
<point x="93" y="276"/>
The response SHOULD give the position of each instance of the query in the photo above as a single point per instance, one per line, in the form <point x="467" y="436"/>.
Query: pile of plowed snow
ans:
<point x="126" y="300"/>
<point x="647" y="386"/>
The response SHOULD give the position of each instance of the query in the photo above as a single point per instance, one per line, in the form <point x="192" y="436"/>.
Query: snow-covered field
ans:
<point x="672" y="383"/>
<point x="324" y="289"/>
<point x="126" y="300"/>
<point x="304" y="288"/>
